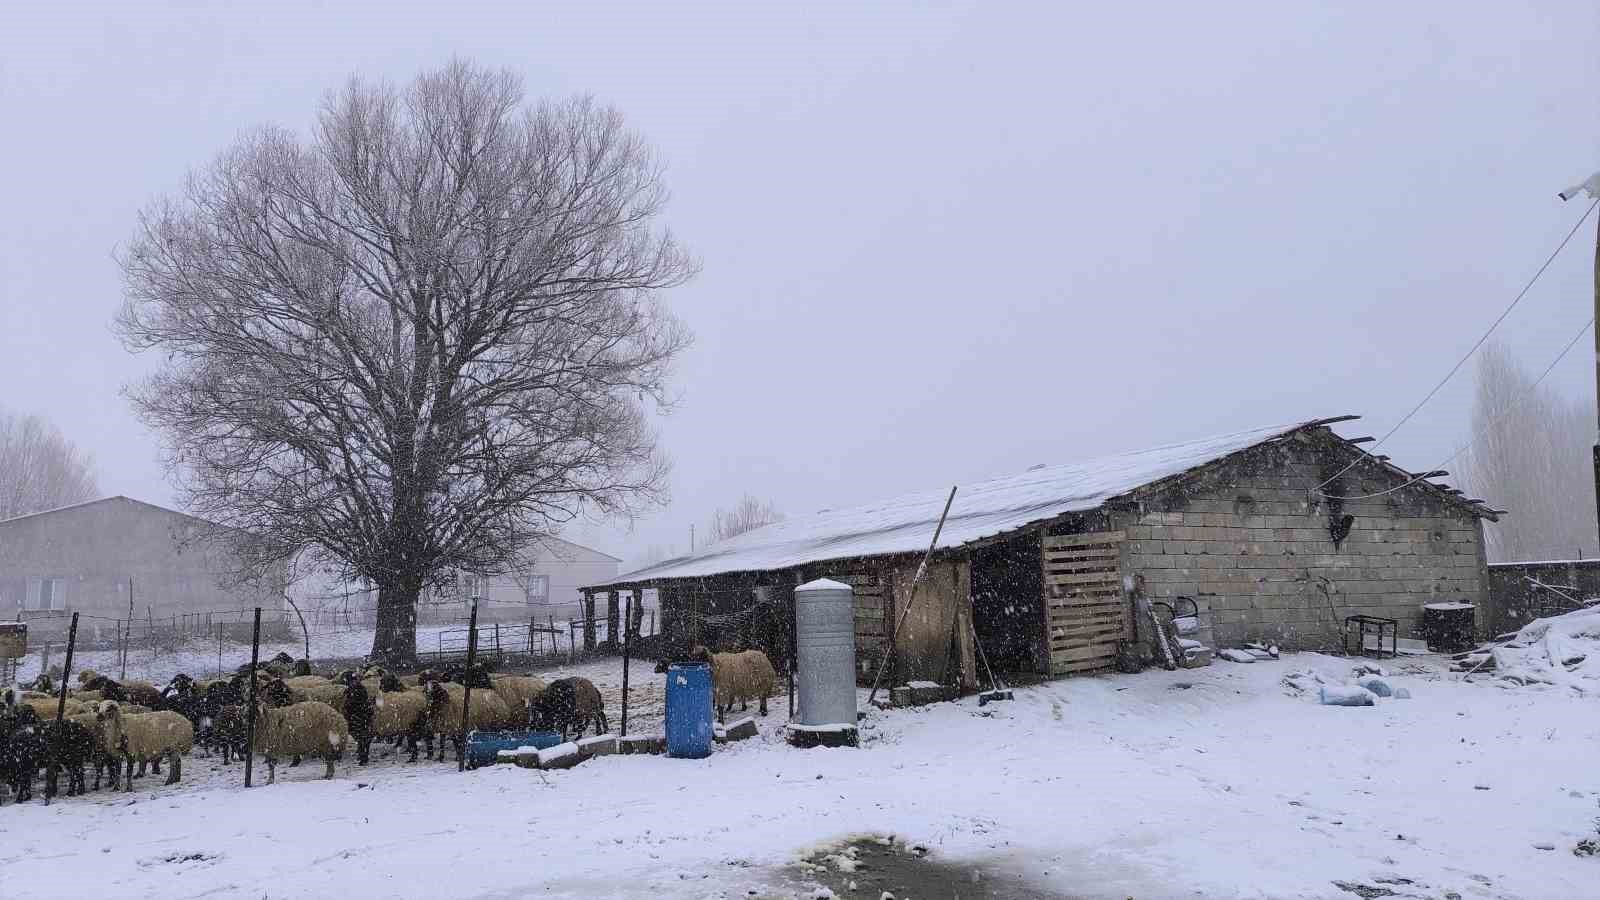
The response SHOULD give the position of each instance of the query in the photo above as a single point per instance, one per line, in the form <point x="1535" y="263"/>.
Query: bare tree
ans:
<point x="39" y="468"/>
<point x="1531" y="456"/>
<point x="417" y="341"/>
<point x="746" y="515"/>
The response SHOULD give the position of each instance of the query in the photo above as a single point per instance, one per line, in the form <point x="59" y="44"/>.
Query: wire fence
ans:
<point x="214" y="642"/>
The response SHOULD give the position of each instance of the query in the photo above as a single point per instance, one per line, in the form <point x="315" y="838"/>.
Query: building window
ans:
<point x="473" y="585"/>
<point x="538" y="589"/>
<point x="46" y="594"/>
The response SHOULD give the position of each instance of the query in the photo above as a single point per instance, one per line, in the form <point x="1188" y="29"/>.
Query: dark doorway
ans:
<point x="1008" y="605"/>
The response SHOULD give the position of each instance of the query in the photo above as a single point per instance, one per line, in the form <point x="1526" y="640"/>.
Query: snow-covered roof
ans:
<point x="982" y="509"/>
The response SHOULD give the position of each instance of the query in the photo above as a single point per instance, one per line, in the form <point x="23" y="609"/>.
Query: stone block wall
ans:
<point x="1250" y="542"/>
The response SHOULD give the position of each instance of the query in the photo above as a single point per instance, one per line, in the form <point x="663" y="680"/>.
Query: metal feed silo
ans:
<point x="825" y="653"/>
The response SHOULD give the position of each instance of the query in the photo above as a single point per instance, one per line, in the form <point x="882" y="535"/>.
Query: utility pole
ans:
<point x="1592" y="188"/>
<point x="691" y="539"/>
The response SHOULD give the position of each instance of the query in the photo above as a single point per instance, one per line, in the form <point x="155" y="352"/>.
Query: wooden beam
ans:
<point x="1360" y="440"/>
<point x="1332" y="421"/>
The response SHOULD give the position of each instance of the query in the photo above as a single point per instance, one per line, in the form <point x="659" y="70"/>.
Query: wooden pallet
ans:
<point x="1086" y="611"/>
<point x="873" y="617"/>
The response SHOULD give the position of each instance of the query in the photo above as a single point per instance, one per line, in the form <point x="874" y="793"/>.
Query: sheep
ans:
<point x="357" y="706"/>
<point x="88" y="696"/>
<point x="303" y="729"/>
<point x="224" y="730"/>
<point x="45" y="707"/>
<point x="21" y="749"/>
<point x="141" y="692"/>
<point x="400" y="715"/>
<point x="305" y="682"/>
<point x="739" y="676"/>
<point x="147" y="737"/>
<point x="516" y="691"/>
<point x="72" y="743"/>
<point x="329" y="693"/>
<point x="444" y="713"/>
<point x="109" y="689"/>
<point x="105" y="727"/>
<point x="567" y="703"/>
<point x="87" y="675"/>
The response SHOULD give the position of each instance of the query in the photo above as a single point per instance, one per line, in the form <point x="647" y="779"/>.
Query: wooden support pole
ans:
<point x="250" y="715"/>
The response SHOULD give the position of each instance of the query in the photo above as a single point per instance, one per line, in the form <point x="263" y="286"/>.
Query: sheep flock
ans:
<point x="122" y="730"/>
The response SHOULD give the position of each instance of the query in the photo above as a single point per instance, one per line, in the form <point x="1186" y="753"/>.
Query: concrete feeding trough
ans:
<point x="920" y="693"/>
<point x="561" y="756"/>
<point x="654" y="744"/>
<point x="741" y="729"/>
<point x="602" y="745"/>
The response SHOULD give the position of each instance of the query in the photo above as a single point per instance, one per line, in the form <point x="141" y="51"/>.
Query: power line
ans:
<point x="1479" y="343"/>
<point x="1492" y="422"/>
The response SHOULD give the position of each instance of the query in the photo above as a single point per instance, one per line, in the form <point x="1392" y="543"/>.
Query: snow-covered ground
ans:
<point x="1217" y="782"/>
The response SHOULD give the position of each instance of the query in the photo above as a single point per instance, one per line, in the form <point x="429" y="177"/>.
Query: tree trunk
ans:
<point x="395" y="641"/>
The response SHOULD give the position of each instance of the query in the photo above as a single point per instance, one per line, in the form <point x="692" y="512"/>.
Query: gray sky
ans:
<point x="941" y="241"/>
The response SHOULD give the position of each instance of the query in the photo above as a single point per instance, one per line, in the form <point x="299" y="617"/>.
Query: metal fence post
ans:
<point x="626" y="648"/>
<point x="53" y="771"/>
<point x="250" y="717"/>
<point x="466" y="696"/>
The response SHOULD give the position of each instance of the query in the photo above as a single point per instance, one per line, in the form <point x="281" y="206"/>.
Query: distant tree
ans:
<point x="39" y="468"/>
<point x="747" y="515"/>
<point x="1531" y="457"/>
<point x="417" y="341"/>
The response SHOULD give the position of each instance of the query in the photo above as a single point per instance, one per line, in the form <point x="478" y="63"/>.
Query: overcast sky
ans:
<point x="941" y="241"/>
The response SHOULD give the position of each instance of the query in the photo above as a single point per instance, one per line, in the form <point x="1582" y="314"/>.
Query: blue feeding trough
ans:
<point x="689" y="726"/>
<point x="483" y="747"/>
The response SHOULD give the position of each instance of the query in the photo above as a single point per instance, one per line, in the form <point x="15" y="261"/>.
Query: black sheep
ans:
<point x="73" y="746"/>
<point x="109" y="689"/>
<point x="21" y="750"/>
<point x="358" y="712"/>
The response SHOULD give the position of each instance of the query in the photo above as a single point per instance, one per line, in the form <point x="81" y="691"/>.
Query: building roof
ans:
<point x="550" y="543"/>
<point x="73" y="506"/>
<point x="981" y="510"/>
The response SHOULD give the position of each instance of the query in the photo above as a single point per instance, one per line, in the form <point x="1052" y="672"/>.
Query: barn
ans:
<point x="1275" y="534"/>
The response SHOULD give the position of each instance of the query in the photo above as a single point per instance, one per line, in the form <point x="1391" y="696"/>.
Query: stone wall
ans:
<point x="1518" y="599"/>
<point x="1250" y="542"/>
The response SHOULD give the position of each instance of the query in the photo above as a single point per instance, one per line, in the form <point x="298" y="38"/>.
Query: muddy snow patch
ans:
<point x="182" y="860"/>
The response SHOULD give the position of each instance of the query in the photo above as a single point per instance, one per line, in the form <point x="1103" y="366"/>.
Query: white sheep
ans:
<point x="311" y="728"/>
<point x="305" y="682"/>
<point x="741" y="676"/>
<point x="399" y="714"/>
<point x="517" y="691"/>
<point x="147" y="737"/>
<point x="445" y="713"/>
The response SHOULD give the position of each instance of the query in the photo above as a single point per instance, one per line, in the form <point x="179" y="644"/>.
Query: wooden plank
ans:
<point x="1056" y="542"/>
<point x="1109" y="617"/>
<point x="1108" y="555"/>
<point x="1102" y="638"/>
<point x="1078" y="668"/>
<point x="1085" y="578"/>
<point x="1051" y="568"/>
<point x="1080" y="654"/>
<point x="1109" y="551"/>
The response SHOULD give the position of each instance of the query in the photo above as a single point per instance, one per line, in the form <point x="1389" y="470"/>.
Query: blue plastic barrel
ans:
<point x="689" y="729"/>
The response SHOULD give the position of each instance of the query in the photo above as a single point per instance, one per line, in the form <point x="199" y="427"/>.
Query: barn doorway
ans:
<point x="1008" y="606"/>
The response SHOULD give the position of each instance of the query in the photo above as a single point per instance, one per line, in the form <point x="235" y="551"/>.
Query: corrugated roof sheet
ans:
<point x="982" y="509"/>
